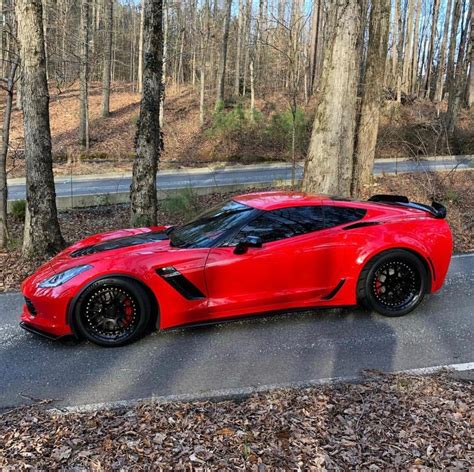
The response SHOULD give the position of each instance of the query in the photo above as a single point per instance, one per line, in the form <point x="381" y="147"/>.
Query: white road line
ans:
<point x="247" y="391"/>
<point x="459" y="256"/>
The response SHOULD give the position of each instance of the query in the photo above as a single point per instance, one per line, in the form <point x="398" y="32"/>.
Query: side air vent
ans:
<point x="30" y="306"/>
<point x="362" y="224"/>
<point x="334" y="291"/>
<point x="180" y="283"/>
<point x="119" y="243"/>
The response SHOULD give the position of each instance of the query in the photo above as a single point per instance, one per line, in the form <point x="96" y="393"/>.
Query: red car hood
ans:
<point x="94" y="247"/>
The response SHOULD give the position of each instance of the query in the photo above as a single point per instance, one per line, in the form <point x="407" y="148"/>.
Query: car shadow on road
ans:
<point x="268" y="350"/>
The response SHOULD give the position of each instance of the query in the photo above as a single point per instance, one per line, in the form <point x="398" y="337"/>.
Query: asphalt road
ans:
<point x="266" y="351"/>
<point x="229" y="176"/>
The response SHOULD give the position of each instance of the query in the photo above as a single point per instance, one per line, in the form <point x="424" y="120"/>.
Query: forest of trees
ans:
<point x="350" y="54"/>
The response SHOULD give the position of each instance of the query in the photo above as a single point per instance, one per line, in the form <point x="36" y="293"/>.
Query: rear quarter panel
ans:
<point x="428" y="237"/>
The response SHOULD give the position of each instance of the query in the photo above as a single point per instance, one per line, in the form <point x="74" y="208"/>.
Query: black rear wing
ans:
<point x="435" y="209"/>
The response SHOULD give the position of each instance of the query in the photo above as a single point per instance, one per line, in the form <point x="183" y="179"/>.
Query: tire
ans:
<point x="393" y="283"/>
<point x="124" y="301"/>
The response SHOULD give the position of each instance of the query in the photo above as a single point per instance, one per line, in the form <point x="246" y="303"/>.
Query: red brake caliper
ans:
<point x="128" y="310"/>
<point x="378" y="285"/>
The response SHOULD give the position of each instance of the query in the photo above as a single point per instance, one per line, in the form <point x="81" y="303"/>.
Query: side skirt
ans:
<point x="254" y="316"/>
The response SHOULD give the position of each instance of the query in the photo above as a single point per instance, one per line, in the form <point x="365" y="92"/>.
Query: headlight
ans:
<point x="63" y="277"/>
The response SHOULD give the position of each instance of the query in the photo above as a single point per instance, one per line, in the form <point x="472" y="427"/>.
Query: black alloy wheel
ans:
<point x="113" y="312"/>
<point x="393" y="283"/>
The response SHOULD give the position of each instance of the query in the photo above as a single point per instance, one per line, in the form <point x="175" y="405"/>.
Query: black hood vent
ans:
<point x="119" y="243"/>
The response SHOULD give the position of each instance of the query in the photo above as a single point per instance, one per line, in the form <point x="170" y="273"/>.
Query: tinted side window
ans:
<point x="334" y="215"/>
<point x="304" y="219"/>
<point x="267" y="228"/>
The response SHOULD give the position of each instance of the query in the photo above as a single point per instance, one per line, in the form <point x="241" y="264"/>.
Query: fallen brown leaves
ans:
<point x="389" y="422"/>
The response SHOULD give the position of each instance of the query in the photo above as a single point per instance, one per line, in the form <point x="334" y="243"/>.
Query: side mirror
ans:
<point x="249" y="241"/>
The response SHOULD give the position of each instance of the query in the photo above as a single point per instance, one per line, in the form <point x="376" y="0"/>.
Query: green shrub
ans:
<point x="184" y="204"/>
<point x="224" y="122"/>
<point x="93" y="156"/>
<point x="19" y="210"/>
<point x="279" y="131"/>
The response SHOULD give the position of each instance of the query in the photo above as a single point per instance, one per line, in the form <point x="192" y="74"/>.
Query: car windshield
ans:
<point x="209" y="226"/>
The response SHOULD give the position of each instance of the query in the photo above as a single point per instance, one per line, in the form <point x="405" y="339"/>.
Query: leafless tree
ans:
<point x="328" y="167"/>
<point x="42" y="234"/>
<point x="223" y="57"/>
<point x="368" y="125"/>
<point x="148" y="139"/>
<point x="107" y="71"/>
<point x="84" y="77"/>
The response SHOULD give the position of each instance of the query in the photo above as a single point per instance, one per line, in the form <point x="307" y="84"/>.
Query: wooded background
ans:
<point x="348" y="55"/>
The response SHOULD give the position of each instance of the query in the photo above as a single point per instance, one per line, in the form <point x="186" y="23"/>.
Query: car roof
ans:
<point x="275" y="200"/>
<point x="280" y="199"/>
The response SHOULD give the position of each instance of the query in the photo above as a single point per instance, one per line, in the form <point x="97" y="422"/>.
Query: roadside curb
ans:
<point x="224" y="167"/>
<point x="101" y="199"/>
<point x="239" y="393"/>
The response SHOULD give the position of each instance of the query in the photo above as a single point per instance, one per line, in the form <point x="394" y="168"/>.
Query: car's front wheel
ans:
<point x="113" y="312"/>
<point x="393" y="283"/>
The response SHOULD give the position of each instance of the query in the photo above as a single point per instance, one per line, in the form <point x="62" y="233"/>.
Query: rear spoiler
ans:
<point x="435" y="209"/>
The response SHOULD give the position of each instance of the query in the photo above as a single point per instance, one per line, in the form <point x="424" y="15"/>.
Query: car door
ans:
<point x="296" y="265"/>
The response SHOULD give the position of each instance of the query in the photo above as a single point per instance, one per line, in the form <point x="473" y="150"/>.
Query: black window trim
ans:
<point x="342" y="206"/>
<point x="227" y="238"/>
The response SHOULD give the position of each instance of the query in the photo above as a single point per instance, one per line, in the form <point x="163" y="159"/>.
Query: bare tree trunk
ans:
<point x="252" y="91"/>
<point x="395" y="40"/>
<point x="7" y="113"/>
<point x="109" y="21"/>
<point x="84" y="77"/>
<point x="42" y="234"/>
<point x="140" y="50"/>
<point x="414" y="65"/>
<point x="238" y="52"/>
<point x="204" y="43"/>
<point x="367" y="131"/>
<point x="19" y="93"/>
<point x="202" y="89"/>
<point x="3" y="38"/>
<point x="458" y="82"/>
<point x="429" y="61"/>
<point x="165" y="61"/>
<point x="148" y="139"/>
<point x="407" y="61"/>
<point x="223" y="58"/>
<point x="328" y="167"/>
<point x="438" y="96"/>
<point x="313" y="54"/>
<point x="452" y="43"/>
<point x="247" y="27"/>
<point x="470" y="90"/>
<point x="179" y="75"/>
<point x="45" y="34"/>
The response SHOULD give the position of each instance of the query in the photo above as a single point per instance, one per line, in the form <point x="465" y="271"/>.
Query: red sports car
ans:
<point x="256" y="253"/>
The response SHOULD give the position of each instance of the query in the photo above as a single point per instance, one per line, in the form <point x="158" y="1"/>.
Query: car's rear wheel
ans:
<point x="393" y="283"/>
<point x="113" y="312"/>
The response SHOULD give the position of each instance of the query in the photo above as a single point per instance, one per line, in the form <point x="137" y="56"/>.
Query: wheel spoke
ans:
<point x="396" y="284"/>
<point x="111" y="313"/>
